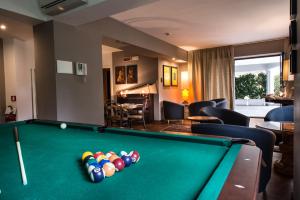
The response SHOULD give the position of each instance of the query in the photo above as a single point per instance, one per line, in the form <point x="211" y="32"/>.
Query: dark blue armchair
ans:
<point x="173" y="111"/>
<point x="220" y="103"/>
<point x="281" y="114"/>
<point x="195" y="108"/>
<point x="227" y="116"/>
<point x="263" y="139"/>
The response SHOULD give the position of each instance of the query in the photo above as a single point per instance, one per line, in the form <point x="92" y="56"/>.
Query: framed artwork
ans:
<point x="120" y="76"/>
<point x="166" y="75"/>
<point x="174" y="75"/>
<point x="132" y="74"/>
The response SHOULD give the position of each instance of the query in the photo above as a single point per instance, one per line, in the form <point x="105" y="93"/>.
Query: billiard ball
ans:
<point x="127" y="160"/>
<point x="97" y="175"/>
<point x="122" y="153"/>
<point x="97" y="154"/>
<point x="110" y="154"/>
<point x="102" y="162"/>
<point x="87" y="158"/>
<point x="63" y="125"/>
<point x="113" y="157"/>
<point x="135" y="156"/>
<point x="85" y="154"/>
<point x="109" y="169"/>
<point x="101" y="157"/>
<point x="119" y="164"/>
<point x="92" y="166"/>
<point x="91" y="161"/>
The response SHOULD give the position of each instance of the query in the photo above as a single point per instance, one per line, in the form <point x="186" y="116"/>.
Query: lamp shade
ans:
<point x="286" y="70"/>
<point x="184" y="79"/>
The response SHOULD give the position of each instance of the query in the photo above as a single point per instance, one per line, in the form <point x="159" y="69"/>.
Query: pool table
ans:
<point x="171" y="166"/>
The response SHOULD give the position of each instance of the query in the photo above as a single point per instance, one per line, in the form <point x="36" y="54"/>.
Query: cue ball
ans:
<point x="63" y="125"/>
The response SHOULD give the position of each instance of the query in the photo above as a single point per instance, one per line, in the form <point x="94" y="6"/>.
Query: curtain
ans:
<point x="212" y="74"/>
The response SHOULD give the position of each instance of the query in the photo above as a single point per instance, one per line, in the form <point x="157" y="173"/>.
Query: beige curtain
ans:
<point x="212" y="74"/>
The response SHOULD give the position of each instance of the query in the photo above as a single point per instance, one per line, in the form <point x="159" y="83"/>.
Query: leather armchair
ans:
<point x="227" y="116"/>
<point x="195" y="108"/>
<point x="220" y="103"/>
<point x="281" y="114"/>
<point x="173" y="111"/>
<point x="264" y="139"/>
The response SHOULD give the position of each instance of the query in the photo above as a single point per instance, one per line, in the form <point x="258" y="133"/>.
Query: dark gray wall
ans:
<point x="116" y="30"/>
<point x="2" y="83"/>
<point x="45" y="71"/>
<point x="147" y="69"/>
<point x="78" y="99"/>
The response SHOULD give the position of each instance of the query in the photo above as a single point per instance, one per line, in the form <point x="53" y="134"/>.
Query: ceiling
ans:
<point x="194" y="24"/>
<point x="108" y="49"/>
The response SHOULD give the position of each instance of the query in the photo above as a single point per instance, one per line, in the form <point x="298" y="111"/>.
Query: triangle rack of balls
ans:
<point x="100" y="165"/>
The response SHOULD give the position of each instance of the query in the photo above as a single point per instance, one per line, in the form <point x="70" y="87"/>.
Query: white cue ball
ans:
<point x="63" y="125"/>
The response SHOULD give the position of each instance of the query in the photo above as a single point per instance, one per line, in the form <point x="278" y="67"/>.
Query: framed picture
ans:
<point x="174" y="75"/>
<point x="166" y="75"/>
<point x="120" y="76"/>
<point x="132" y="74"/>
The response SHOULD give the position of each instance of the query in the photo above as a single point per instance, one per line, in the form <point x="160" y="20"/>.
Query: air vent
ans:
<point x="55" y="7"/>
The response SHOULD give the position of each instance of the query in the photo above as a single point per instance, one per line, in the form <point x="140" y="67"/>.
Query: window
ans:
<point x="254" y="79"/>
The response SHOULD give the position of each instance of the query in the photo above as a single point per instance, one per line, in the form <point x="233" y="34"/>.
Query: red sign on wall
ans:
<point x="13" y="98"/>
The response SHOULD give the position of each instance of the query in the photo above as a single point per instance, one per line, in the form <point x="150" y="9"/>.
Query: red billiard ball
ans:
<point x="119" y="164"/>
<point x="97" y="154"/>
<point x="135" y="156"/>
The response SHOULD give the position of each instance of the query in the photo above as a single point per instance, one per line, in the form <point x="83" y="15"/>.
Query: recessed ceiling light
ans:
<point x="60" y="8"/>
<point x="167" y="34"/>
<point x="2" y="27"/>
<point x="173" y="58"/>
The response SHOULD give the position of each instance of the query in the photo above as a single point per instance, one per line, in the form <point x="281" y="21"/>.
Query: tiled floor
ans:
<point x="279" y="187"/>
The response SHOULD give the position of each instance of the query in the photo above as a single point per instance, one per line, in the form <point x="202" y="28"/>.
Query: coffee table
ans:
<point x="285" y="165"/>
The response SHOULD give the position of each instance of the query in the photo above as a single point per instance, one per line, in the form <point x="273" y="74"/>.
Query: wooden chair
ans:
<point x="118" y="115"/>
<point x="137" y="114"/>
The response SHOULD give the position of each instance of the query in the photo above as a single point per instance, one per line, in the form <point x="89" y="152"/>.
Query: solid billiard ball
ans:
<point x="109" y="169"/>
<point x="101" y="157"/>
<point x="113" y="157"/>
<point x="97" y="154"/>
<point x="97" y="175"/>
<point x="91" y="161"/>
<point x="135" y="156"/>
<point x="92" y="166"/>
<point x="85" y="154"/>
<point x="63" y="125"/>
<point x="127" y="160"/>
<point x="119" y="164"/>
<point x="102" y="162"/>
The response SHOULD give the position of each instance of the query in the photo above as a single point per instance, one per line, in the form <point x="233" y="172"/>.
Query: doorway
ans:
<point x="255" y="78"/>
<point x="106" y="84"/>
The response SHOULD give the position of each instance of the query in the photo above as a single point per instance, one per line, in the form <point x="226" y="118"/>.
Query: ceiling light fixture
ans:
<point x="2" y="27"/>
<point x="173" y="58"/>
<point x="167" y="34"/>
<point x="60" y="8"/>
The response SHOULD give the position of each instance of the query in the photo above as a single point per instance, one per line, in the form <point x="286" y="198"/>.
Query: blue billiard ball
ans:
<point x="92" y="166"/>
<point x="97" y="175"/>
<point x="127" y="160"/>
<point x="102" y="162"/>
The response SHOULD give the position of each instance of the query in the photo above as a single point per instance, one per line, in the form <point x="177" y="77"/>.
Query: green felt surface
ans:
<point x="171" y="167"/>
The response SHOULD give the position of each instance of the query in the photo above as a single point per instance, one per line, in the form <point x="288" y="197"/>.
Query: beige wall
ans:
<point x="167" y="93"/>
<point x="258" y="48"/>
<point x="24" y="62"/>
<point x="18" y="60"/>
